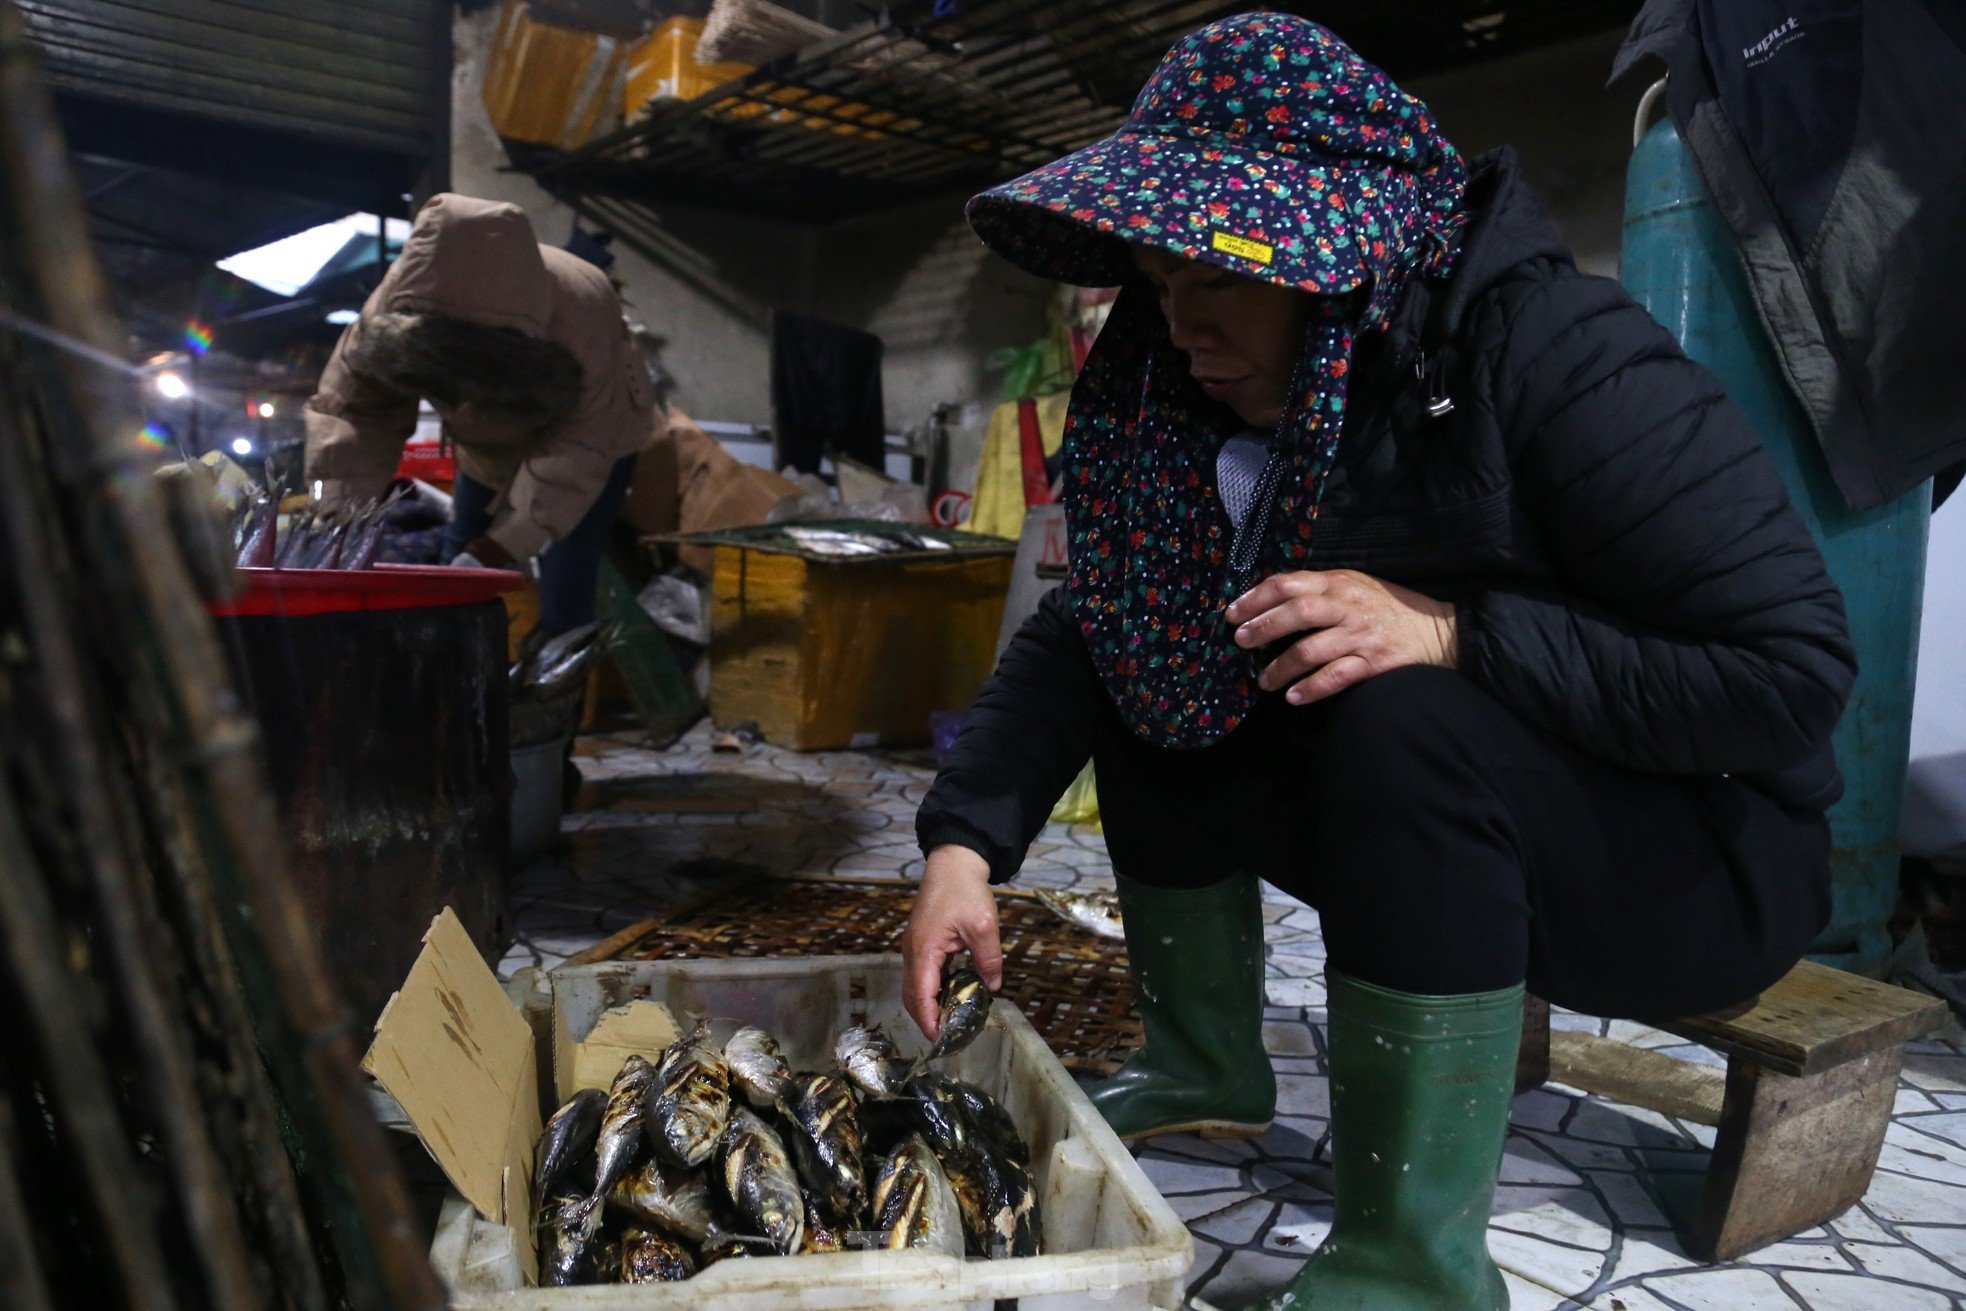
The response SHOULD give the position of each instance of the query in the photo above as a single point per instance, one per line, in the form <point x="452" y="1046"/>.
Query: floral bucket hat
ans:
<point x="1264" y="145"/>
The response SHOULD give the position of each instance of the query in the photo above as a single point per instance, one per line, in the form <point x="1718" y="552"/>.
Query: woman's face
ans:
<point x="1241" y="336"/>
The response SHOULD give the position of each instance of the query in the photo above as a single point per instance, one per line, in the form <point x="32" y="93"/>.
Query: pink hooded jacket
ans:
<point x="478" y="261"/>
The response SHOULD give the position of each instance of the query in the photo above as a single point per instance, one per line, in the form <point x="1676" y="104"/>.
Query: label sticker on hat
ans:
<point x="1260" y="251"/>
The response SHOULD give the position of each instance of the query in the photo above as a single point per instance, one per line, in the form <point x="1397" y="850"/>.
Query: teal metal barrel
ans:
<point x="1679" y="261"/>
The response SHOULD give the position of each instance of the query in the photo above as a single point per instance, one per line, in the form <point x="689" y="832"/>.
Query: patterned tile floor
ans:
<point x="1581" y="1219"/>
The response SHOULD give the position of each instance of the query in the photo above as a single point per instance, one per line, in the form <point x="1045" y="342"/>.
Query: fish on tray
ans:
<point x="822" y="1128"/>
<point x="964" y="1010"/>
<point x="914" y="1205"/>
<point x="620" y="1136"/>
<point x="1097" y="913"/>
<point x="757" y="1067"/>
<point x="871" y="1061"/>
<point x="666" y="1198"/>
<point x="691" y="1103"/>
<point x="759" y="1180"/>
<point x="568" y="1137"/>
<point x="648" y="1257"/>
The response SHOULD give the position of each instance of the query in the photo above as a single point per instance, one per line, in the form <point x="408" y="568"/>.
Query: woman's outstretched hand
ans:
<point x="954" y="911"/>
<point x="1348" y="626"/>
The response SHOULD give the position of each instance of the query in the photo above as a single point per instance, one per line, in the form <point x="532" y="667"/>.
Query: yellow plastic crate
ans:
<point x="551" y="85"/>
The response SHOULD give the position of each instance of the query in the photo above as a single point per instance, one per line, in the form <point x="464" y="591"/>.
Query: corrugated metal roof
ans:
<point x="372" y="73"/>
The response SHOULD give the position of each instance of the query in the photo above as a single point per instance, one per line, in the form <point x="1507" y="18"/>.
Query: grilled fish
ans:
<point x="691" y="1103"/>
<point x="871" y="1061"/>
<point x="722" y="1247"/>
<point x="665" y="1198"/>
<point x="914" y="1205"/>
<point x="821" y="1235"/>
<point x="566" y="1244"/>
<point x="1097" y="913"/>
<point x="823" y="1131"/>
<point x="622" y="1127"/>
<point x="759" y="1180"/>
<point x="568" y="1136"/>
<point x="651" y="1258"/>
<point x="1010" y="1205"/>
<point x="988" y="1122"/>
<point x="937" y="1110"/>
<point x="757" y="1067"/>
<point x="965" y="1007"/>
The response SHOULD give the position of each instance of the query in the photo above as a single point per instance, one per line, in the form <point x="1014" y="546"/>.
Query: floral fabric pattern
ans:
<point x="1264" y="145"/>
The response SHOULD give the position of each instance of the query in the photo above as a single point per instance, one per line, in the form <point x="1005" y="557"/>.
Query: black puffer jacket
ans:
<point x="1627" y="569"/>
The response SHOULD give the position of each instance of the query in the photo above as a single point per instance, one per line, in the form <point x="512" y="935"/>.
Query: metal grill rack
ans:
<point x="914" y="104"/>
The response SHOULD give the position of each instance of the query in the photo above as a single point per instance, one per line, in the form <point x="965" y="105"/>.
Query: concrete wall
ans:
<point x="942" y="304"/>
<point x="711" y="298"/>
<point x="1573" y="135"/>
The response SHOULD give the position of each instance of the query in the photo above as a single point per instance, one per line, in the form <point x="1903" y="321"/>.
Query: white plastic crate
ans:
<point x="1110" y="1241"/>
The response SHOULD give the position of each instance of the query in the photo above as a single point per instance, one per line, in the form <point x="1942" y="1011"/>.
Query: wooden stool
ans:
<point x="1800" y="1114"/>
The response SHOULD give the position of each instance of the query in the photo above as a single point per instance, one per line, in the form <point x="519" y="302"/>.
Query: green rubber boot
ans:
<point x="1197" y="961"/>
<point x="1420" y="1092"/>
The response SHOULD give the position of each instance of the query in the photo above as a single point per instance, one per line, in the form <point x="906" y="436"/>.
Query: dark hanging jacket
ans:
<point x="1626" y="567"/>
<point x="1829" y="136"/>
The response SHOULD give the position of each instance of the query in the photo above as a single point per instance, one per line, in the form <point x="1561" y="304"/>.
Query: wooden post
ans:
<point x="1532" y="1061"/>
<point x="1792" y="1151"/>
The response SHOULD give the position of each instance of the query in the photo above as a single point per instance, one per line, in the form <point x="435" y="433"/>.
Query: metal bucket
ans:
<point x="1680" y="263"/>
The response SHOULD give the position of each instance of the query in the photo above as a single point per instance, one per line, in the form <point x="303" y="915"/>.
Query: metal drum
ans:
<point x="1680" y="263"/>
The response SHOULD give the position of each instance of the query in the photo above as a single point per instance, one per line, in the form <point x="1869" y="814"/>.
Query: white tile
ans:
<point x="1303" y="1094"/>
<point x="1249" y="1275"/>
<point x="1948" y="1245"/>
<point x="1191" y="1207"/>
<point x="1947" y="1125"/>
<point x="1908" y="1151"/>
<point x="1634" y="1034"/>
<point x="1525" y="1295"/>
<point x="1823" y="1292"/>
<point x="1904" y="1263"/>
<point x="1589" y="1156"/>
<point x="1285" y="1038"/>
<point x="1648" y="1252"/>
<point x="1567" y="1270"/>
<point x="1936" y="1073"/>
<point x="1296" y="992"/>
<point x="1238" y="1224"/>
<point x="1855" y="1226"/>
<point x="1909" y="1102"/>
<point x="1727" y="1290"/>
<point x="1801" y="1256"/>
<point x="1896" y="1199"/>
<point x="1633" y="1298"/>
<point x="1540" y="1109"/>
<point x="1171" y="1176"/>
<point x="1631" y="1204"/>
<point x="1572" y="1022"/>
<point x="1567" y="1215"/>
<point x="1525" y="1162"/>
<point x="1299" y="1227"/>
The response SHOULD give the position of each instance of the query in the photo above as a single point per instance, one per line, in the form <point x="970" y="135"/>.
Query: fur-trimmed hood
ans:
<point x="478" y="263"/>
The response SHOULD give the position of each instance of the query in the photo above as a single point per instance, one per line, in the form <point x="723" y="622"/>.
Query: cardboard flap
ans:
<point x="459" y="1058"/>
<point x="638" y="1028"/>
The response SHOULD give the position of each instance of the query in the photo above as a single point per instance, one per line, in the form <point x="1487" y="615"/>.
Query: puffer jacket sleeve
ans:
<point x="1697" y="630"/>
<point x="355" y="431"/>
<point x="1025" y="738"/>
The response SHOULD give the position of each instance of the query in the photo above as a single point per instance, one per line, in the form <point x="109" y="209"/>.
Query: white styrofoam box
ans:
<point x="1111" y="1243"/>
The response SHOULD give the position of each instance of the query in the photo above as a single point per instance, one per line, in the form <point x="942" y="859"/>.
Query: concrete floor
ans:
<point x="1581" y="1216"/>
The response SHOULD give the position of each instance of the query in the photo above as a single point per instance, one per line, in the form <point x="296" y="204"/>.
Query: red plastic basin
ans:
<point x="292" y="592"/>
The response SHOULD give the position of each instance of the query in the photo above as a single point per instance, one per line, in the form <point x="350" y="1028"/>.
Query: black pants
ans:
<point x="570" y="571"/>
<point x="1450" y="847"/>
